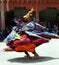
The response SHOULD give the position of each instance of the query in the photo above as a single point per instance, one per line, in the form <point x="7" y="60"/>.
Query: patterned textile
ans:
<point x="27" y="40"/>
<point x="12" y="36"/>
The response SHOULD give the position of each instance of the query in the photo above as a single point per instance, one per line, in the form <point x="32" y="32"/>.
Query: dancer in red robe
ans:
<point x="30" y="37"/>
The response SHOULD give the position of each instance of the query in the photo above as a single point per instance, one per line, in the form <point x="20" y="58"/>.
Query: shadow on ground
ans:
<point x="31" y="60"/>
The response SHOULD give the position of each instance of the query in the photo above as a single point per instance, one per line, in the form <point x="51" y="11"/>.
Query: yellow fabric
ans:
<point x="28" y="14"/>
<point x="17" y="36"/>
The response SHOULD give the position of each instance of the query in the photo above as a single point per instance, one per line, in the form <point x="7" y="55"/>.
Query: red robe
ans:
<point x="29" y="43"/>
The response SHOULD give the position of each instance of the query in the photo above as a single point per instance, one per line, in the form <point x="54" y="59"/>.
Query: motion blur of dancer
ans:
<point x="26" y="36"/>
<point x="15" y="35"/>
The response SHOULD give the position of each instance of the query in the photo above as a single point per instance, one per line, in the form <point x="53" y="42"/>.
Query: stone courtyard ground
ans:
<point x="49" y="55"/>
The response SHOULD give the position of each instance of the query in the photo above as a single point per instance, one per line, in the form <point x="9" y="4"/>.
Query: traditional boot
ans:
<point x="27" y="55"/>
<point x="36" y="56"/>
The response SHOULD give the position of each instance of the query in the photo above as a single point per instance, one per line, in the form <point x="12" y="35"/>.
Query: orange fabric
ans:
<point x="29" y="48"/>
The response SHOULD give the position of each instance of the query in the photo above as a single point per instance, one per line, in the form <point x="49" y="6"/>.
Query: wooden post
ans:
<point x="2" y="16"/>
<point x="22" y="3"/>
<point x="37" y="10"/>
<point x="7" y="5"/>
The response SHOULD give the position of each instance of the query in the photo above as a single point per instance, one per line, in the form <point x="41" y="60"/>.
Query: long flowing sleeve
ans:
<point x="40" y="26"/>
